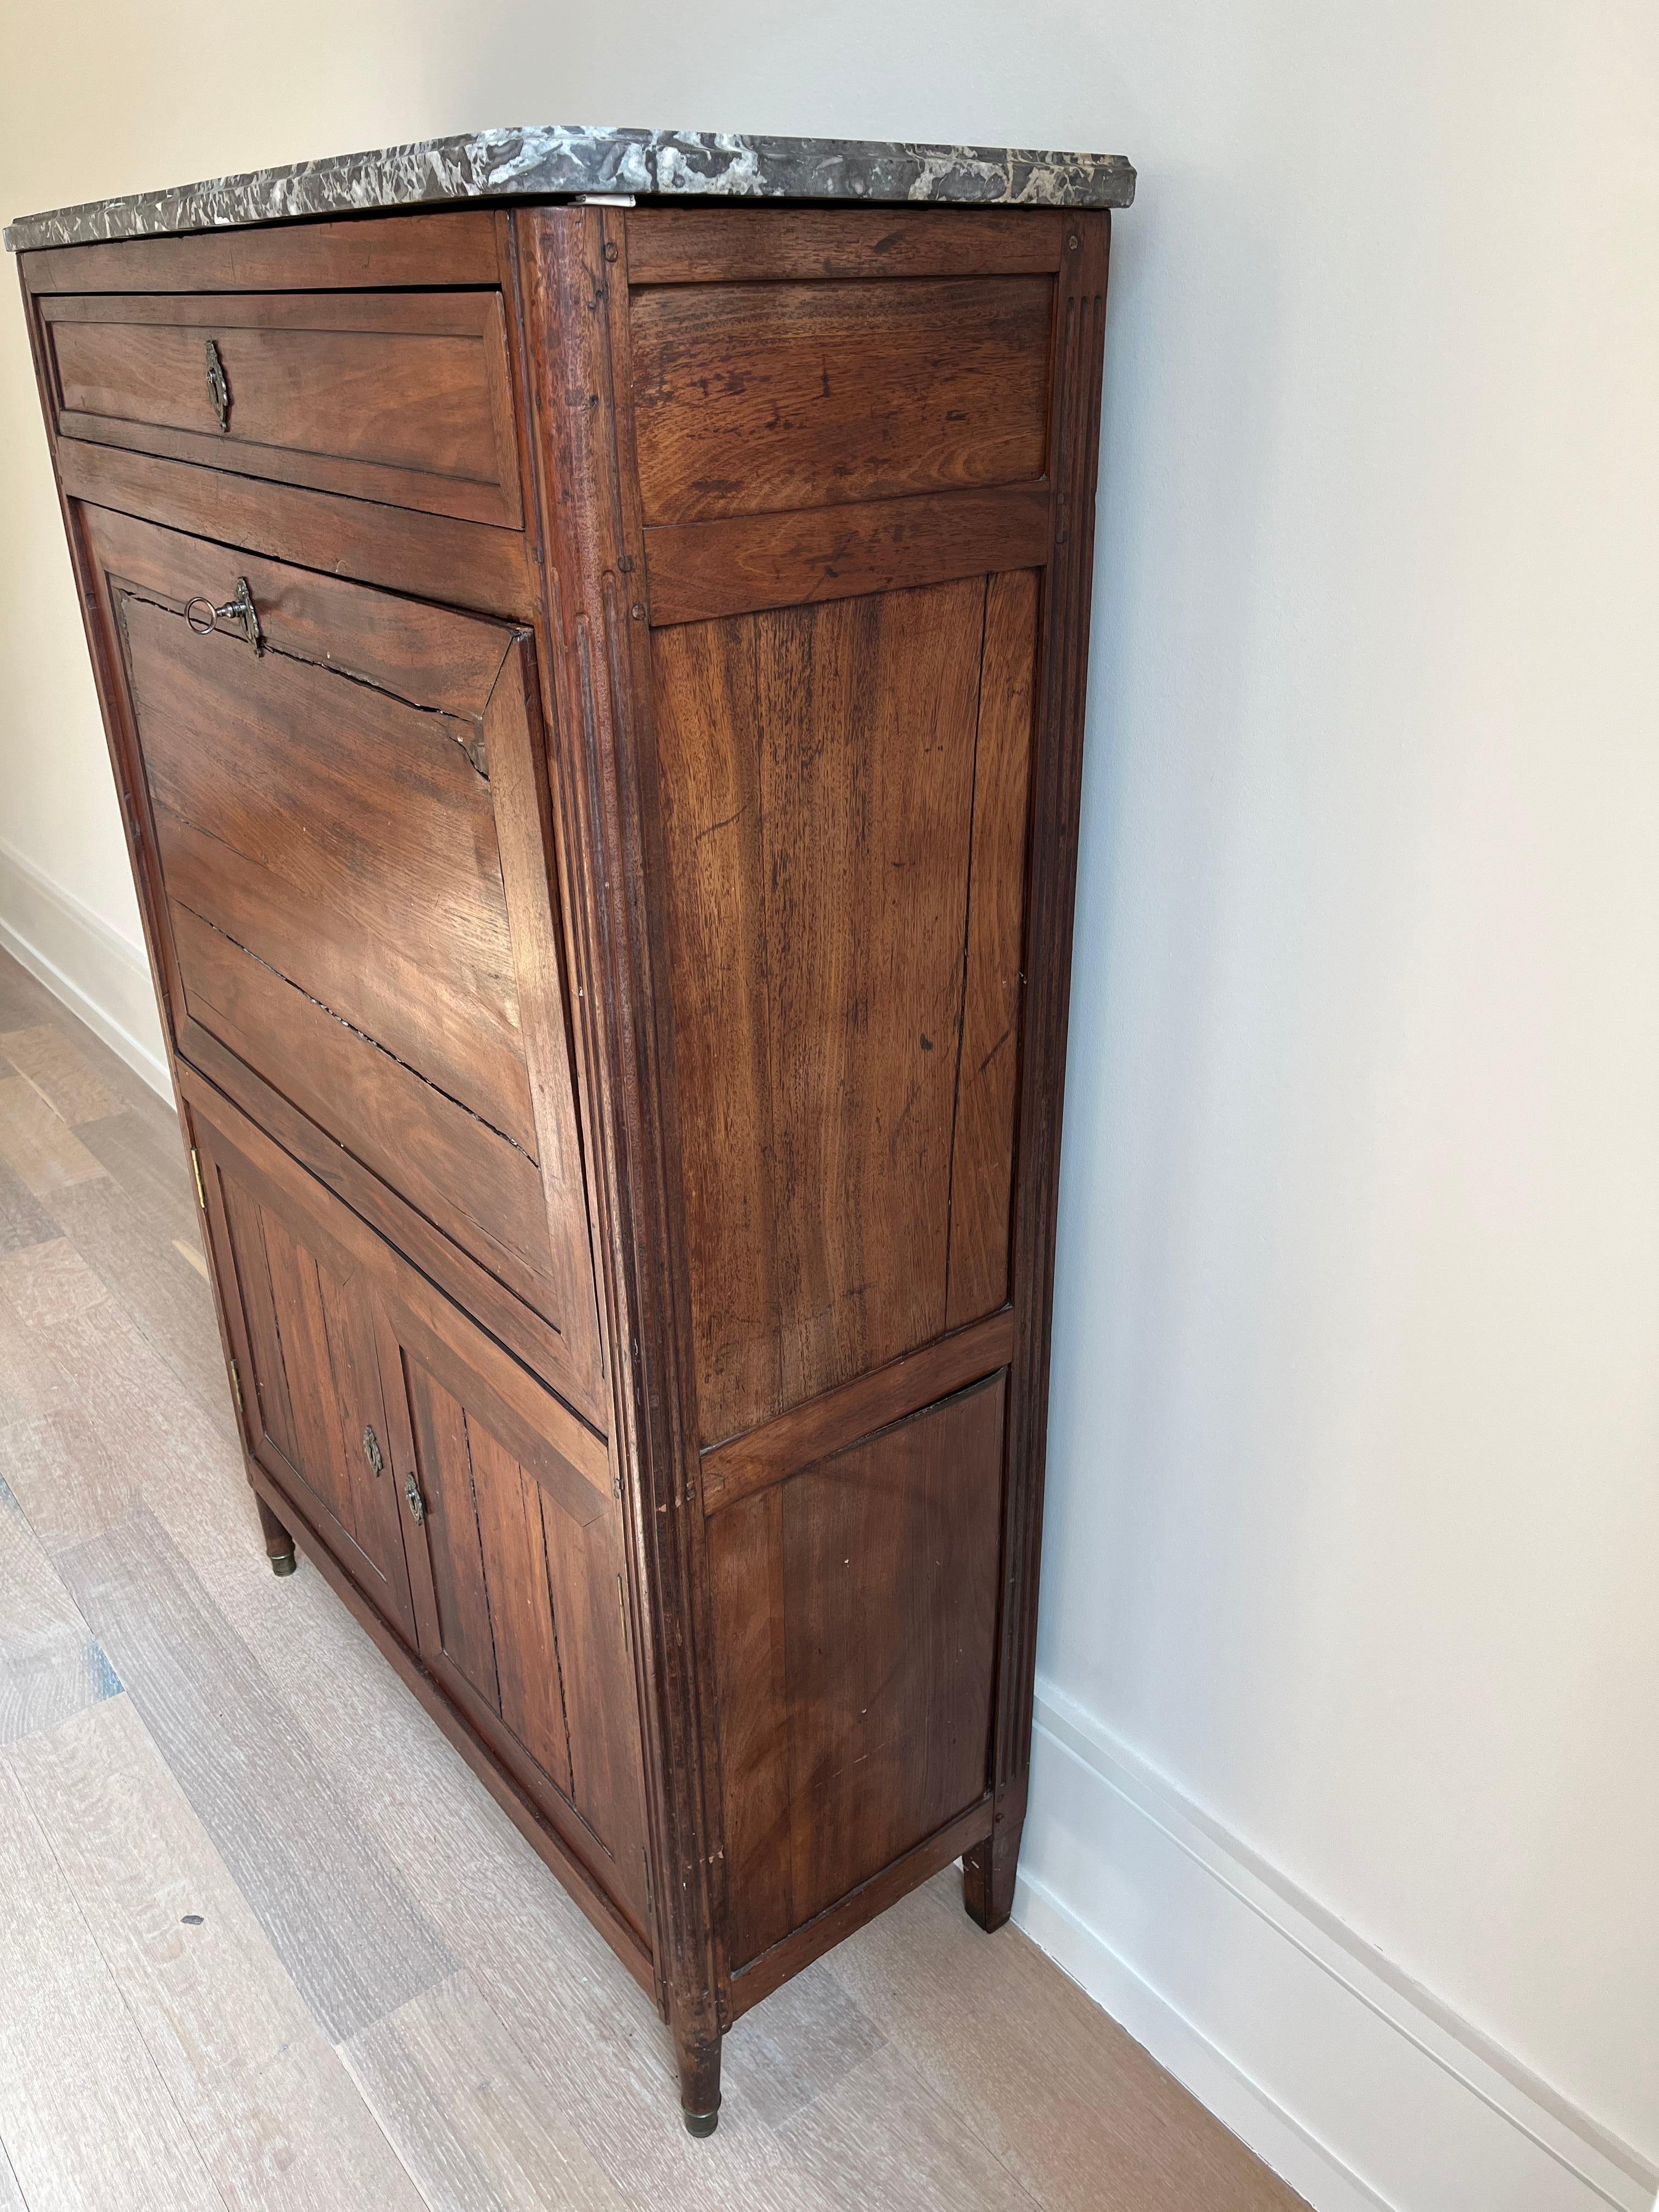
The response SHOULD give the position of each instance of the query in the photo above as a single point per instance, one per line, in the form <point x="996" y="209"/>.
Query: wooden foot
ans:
<point x="279" y="1545"/>
<point x="988" y="1875"/>
<point x="699" y="2057"/>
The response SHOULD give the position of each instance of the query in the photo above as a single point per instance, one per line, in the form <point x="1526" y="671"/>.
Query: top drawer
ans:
<point x="403" y="397"/>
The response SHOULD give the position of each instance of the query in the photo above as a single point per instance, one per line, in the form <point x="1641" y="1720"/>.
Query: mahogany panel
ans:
<point x="462" y="564"/>
<point x="462" y="1630"/>
<point x="205" y="1067"/>
<point x="807" y="1434"/>
<point x="544" y="1436"/>
<point x="750" y="397"/>
<point x="880" y="1708"/>
<point x="396" y="396"/>
<point x="311" y="1399"/>
<point x="374" y="251"/>
<point x="522" y="1615"/>
<point x="817" y="772"/>
<point x="817" y="776"/>
<point x="747" y="245"/>
<point x="785" y="1959"/>
<point x="982" y="1146"/>
<point x="420" y="652"/>
<point x="345" y="838"/>
<point x="585" y="1571"/>
<point x="699" y="570"/>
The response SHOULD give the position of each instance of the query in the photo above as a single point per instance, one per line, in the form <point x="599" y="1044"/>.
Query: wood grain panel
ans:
<point x="746" y="246"/>
<point x="312" y="1388"/>
<point x="475" y="1186"/>
<point x="885" y="1560"/>
<point x="544" y="1436"/>
<point x="746" y="1577"/>
<point x="395" y="397"/>
<point x="454" y="248"/>
<point x="422" y="654"/>
<point x="463" y="564"/>
<point x="452" y="1539"/>
<point x="982" y="1150"/>
<point x="524" y="1613"/>
<point x="751" y="397"/>
<point x="807" y="1434"/>
<point x="817" y="772"/>
<point x="509" y="1505"/>
<point x="344" y="837"/>
<point x="699" y="570"/>
<point x="585" y="1568"/>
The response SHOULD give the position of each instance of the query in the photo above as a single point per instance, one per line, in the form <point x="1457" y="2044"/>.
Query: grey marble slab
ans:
<point x="562" y="161"/>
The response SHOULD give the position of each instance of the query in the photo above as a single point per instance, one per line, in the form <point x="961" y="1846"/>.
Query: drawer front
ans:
<point x="345" y="822"/>
<point x="471" y="1508"/>
<point x="400" y="398"/>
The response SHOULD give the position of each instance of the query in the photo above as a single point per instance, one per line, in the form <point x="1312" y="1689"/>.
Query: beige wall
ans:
<point x="1356" y="1401"/>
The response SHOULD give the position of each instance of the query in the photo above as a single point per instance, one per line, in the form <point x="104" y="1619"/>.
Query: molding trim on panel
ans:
<point x="1358" y="2086"/>
<point x="98" y="975"/>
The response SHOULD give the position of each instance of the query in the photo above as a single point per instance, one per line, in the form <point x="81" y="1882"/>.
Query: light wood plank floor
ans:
<point x="264" y="1941"/>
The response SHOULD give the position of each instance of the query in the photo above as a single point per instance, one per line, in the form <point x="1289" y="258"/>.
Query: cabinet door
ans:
<point x="343" y="803"/>
<point x="517" y="1575"/>
<point x="312" y="1406"/>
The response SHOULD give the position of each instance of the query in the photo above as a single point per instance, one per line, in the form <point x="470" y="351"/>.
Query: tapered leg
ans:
<point x="699" y="2057"/>
<point x="278" y="1543"/>
<point x="988" y="1875"/>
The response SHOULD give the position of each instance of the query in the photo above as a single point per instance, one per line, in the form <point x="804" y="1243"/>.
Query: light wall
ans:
<point x="1352" y="1499"/>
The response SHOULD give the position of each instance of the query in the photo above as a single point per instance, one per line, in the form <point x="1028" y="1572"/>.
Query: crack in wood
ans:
<point x="334" y="1015"/>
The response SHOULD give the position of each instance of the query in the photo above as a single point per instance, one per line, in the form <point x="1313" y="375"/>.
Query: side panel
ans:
<point x="844" y="886"/>
<point x="855" y="1617"/>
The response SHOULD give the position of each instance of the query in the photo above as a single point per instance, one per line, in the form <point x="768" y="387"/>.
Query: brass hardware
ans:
<point x="239" y="611"/>
<point x="372" y="1452"/>
<point x="412" y="1492"/>
<point x="218" y="390"/>
<point x="236" y="1386"/>
<point x="622" y="1608"/>
<point x="196" y="1169"/>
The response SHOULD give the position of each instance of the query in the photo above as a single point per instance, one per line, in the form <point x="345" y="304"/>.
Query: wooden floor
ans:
<point x="249" y="1962"/>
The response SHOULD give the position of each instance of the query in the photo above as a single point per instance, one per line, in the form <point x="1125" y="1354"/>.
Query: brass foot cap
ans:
<point x="285" y="1565"/>
<point x="700" y="2123"/>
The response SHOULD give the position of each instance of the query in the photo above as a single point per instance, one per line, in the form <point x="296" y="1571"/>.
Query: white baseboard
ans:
<point x="1357" y="2085"/>
<point x="101" y="975"/>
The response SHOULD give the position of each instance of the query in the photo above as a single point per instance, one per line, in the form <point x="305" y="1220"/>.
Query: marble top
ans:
<point x="558" y="161"/>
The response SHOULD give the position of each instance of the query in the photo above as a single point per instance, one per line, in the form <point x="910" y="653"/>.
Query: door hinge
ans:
<point x="236" y="1387"/>
<point x="622" y="1608"/>
<point x="196" y="1169"/>
<point x="650" y="1888"/>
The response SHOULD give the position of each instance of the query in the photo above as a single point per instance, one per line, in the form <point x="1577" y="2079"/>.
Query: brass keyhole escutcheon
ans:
<point x="372" y="1452"/>
<point x="412" y="1492"/>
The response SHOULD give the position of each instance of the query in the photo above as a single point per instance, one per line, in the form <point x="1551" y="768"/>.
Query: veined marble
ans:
<point x="560" y="160"/>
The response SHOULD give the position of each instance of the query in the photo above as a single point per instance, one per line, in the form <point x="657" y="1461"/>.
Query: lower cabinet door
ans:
<point x="464" y="1498"/>
<point x="518" y="1579"/>
<point x="312" y="1404"/>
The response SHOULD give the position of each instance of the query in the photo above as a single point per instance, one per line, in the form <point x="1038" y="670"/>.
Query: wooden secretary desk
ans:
<point x="593" y="668"/>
